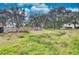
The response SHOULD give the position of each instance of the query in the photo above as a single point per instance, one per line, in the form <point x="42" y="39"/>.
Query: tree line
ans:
<point x="54" y="19"/>
<point x="12" y="16"/>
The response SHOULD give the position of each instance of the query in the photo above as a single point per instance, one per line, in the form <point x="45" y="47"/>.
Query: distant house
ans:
<point x="10" y="27"/>
<point x="70" y="25"/>
<point x="1" y="28"/>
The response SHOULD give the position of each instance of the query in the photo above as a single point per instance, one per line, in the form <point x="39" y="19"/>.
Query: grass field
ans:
<point x="44" y="42"/>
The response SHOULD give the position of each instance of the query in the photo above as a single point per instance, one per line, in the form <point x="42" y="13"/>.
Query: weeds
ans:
<point x="47" y="43"/>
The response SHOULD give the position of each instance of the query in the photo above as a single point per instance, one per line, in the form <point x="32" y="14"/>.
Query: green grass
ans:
<point x="45" y="42"/>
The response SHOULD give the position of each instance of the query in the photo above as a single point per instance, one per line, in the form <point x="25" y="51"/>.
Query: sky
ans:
<point x="29" y="5"/>
<point x="40" y="7"/>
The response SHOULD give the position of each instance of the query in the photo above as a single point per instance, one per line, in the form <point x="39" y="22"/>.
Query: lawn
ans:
<point x="44" y="42"/>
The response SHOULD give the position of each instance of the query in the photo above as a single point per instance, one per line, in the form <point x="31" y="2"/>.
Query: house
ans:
<point x="10" y="27"/>
<point x="70" y="25"/>
<point x="1" y="28"/>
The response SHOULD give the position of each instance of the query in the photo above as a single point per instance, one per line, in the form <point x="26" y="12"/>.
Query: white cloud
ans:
<point x="40" y="5"/>
<point x="43" y="5"/>
<point x="27" y="11"/>
<point x="20" y="4"/>
<point x="73" y="9"/>
<point x="27" y="14"/>
<point x="35" y="4"/>
<point x="36" y="8"/>
<point x="40" y="8"/>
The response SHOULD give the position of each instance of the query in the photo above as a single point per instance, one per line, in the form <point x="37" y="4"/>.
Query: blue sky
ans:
<point x="28" y="5"/>
<point x="40" y="7"/>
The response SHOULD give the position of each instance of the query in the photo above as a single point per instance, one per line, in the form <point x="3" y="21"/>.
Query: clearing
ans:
<point x="44" y="42"/>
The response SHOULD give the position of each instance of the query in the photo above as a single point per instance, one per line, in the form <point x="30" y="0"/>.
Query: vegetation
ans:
<point x="56" y="18"/>
<point x="45" y="42"/>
